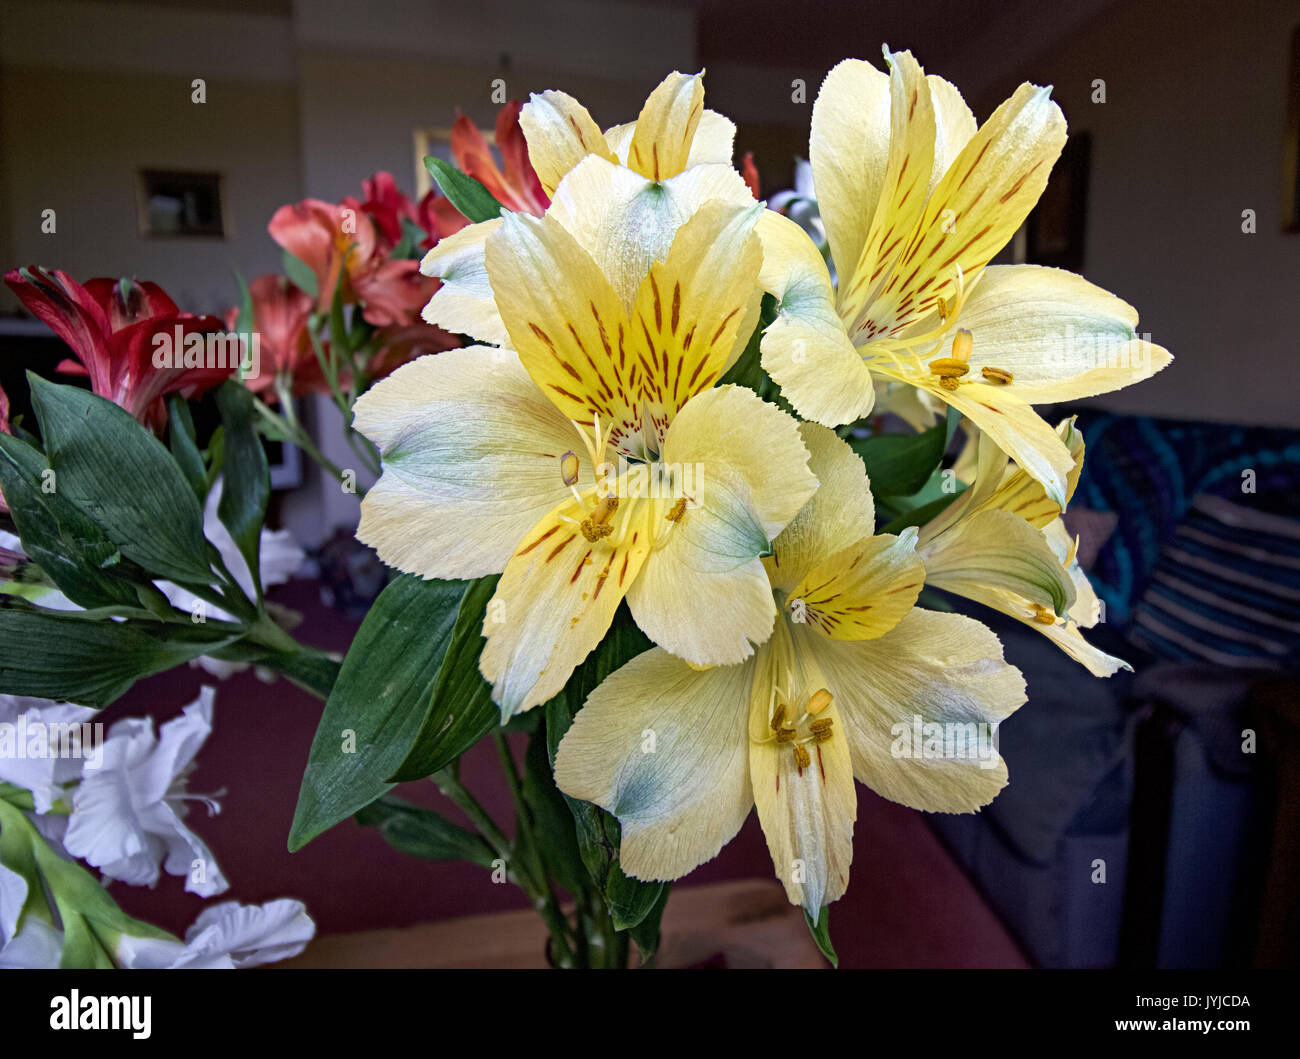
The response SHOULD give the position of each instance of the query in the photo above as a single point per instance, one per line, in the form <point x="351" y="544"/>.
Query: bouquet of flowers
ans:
<point x="617" y="428"/>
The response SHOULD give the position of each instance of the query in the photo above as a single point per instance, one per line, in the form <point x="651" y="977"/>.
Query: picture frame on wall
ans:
<point x="1056" y="231"/>
<point x="429" y="140"/>
<point x="175" y="203"/>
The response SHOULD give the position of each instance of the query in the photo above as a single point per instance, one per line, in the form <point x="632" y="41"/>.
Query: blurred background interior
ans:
<point x="1135" y="830"/>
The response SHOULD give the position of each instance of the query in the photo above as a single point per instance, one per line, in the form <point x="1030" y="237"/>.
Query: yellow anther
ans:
<point x="778" y="718"/>
<point x="569" y="468"/>
<point x="678" y="509"/>
<point x="949" y="384"/>
<point x="824" y="725"/>
<point x="819" y="701"/>
<point x="1043" y="616"/>
<point x="948" y="368"/>
<point x="822" y="736"/>
<point x="597" y="526"/>
<point x="961" y="345"/>
<point x="594" y="531"/>
<point x="785" y="735"/>
<point x="801" y="757"/>
<point x="998" y="375"/>
<point x="943" y="308"/>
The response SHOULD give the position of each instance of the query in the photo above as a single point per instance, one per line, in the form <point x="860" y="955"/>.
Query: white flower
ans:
<point x="127" y="816"/>
<point x="37" y="944"/>
<point x="42" y="769"/>
<point x="278" y="560"/>
<point x="227" y="935"/>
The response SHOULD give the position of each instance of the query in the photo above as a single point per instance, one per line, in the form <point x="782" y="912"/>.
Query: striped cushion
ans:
<point x="1226" y="589"/>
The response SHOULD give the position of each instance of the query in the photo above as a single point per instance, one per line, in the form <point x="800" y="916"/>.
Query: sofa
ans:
<point x="1151" y="820"/>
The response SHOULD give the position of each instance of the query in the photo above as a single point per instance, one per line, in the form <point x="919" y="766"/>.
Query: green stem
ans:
<point x="545" y="903"/>
<point x="294" y="431"/>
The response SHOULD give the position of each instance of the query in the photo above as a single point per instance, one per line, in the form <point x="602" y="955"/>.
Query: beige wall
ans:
<point x="1190" y="135"/>
<point x="74" y="140"/>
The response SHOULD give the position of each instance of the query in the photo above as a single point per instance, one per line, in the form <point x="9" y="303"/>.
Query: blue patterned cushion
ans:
<point x="1147" y="471"/>
<point x="1226" y="590"/>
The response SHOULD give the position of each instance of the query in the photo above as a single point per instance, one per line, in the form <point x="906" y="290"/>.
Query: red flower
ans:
<point x="280" y="312"/>
<point x="518" y="188"/>
<point x="405" y="343"/>
<point x="750" y="173"/>
<point x="346" y="244"/>
<point x="127" y="336"/>
<point x="438" y="217"/>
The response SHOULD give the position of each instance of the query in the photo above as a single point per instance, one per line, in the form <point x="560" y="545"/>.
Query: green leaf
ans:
<point x="56" y="655"/>
<point x="378" y="704"/>
<point x="646" y="933"/>
<point x="552" y="821"/>
<point x="470" y="197"/>
<point x="247" y="486"/>
<point x="630" y="900"/>
<point x="919" y="516"/>
<point x="301" y="275"/>
<point x="59" y="537"/>
<point x="597" y="832"/>
<point x="821" y="933"/>
<point x="423" y="833"/>
<point x="748" y="369"/>
<point x="182" y="441"/>
<point x="92" y="922"/>
<point x="120" y="475"/>
<point x="901" y="464"/>
<point x="460" y="710"/>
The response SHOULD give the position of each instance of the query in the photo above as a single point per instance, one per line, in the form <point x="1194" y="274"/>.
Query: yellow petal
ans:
<point x="841" y="510"/>
<point x="691" y="311"/>
<point x="954" y="126"/>
<point x="553" y="604"/>
<point x="712" y="145"/>
<point x="471" y="460"/>
<point x="665" y="128"/>
<point x="997" y="549"/>
<point x="932" y="668"/>
<point x="807" y="812"/>
<point x="1064" y="633"/>
<point x="806" y="350"/>
<point x="1061" y="337"/>
<point x="664" y="748"/>
<point x="1018" y="431"/>
<point x="863" y="591"/>
<point x="560" y="133"/>
<point x="626" y="222"/>
<point x="566" y="323"/>
<point x="849" y="154"/>
<point x="975" y="209"/>
<point x="463" y="304"/>
<point x="750" y="477"/>
<point x="902" y="198"/>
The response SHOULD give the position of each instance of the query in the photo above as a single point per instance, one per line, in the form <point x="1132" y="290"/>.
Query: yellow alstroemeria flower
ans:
<point x="916" y="201"/>
<point x="595" y="459"/>
<point x="676" y="144"/>
<point x="851" y="671"/>
<point x="673" y="132"/>
<point x="1002" y="543"/>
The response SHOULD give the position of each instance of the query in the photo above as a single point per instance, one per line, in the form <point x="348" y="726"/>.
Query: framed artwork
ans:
<point x="429" y="139"/>
<point x="177" y="203"/>
<point x="1056" y="229"/>
<point x="1291" y="142"/>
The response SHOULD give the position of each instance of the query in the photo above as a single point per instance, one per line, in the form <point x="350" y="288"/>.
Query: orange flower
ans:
<point x="518" y="188"/>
